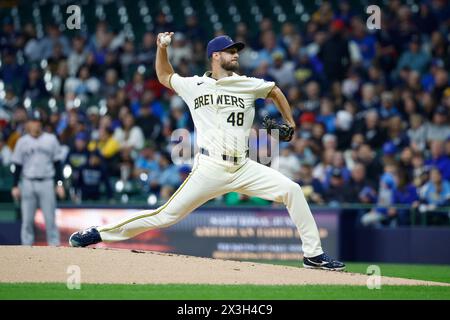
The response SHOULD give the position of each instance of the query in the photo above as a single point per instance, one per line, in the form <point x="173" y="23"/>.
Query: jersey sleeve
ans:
<point x="262" y="88"/>
<point x="17" y="156"/>
<point x="181" y="85"/>
<point x="57" y="150"/>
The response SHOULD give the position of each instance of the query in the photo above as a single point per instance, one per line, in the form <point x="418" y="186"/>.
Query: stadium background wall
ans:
<point x="253" y="233"/>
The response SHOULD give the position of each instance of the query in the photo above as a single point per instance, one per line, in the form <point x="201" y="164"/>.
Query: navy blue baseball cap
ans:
<point x="221" y="43"/>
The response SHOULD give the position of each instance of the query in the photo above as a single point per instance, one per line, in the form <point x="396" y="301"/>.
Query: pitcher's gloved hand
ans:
<point x="285" y="132"/>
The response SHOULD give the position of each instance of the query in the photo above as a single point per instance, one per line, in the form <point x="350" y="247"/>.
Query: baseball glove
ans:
<point x="285" y="132"/>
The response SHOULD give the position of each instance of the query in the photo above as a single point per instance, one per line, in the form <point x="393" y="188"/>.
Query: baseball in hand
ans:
<point x="165" y="39"/>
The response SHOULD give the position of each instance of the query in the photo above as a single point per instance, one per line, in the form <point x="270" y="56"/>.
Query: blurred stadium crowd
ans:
<point x="372" y="107"/>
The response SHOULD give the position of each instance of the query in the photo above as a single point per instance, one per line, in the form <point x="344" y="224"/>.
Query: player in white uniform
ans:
<point x="221" y="103"/>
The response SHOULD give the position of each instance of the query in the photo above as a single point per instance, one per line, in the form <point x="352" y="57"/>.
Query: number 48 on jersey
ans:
<point x="236" y="118"/>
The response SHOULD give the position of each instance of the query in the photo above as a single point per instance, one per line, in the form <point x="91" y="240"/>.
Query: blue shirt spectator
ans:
<point x="414" y="58"/>
<point x="439" y="159"/>
<point x="436" y="191"/>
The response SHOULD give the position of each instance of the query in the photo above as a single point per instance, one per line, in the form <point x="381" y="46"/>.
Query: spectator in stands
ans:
<point x="312" y="187"/>
<point x="312" y="101"/>
<point x="351" y="154"/>
<point x="324" y="15"/>
<point x="83" y="85"/>
<point x="417" y="132"/>
<point x="5" y="152"/>
<point x="426" y="19"/>
<point x="344" y="128"/>
<point x="320" y="169"/>
<point x="148" y="100"/>
<point x="370" y="127"/>
<point x="337" y="162"/>
<point x="73" y="126"/>
<point x="8" y="104"/>
<point x="180" y="50"/>
<point x="369" y="98"/>
<point x="78" y="156"/>
<point x="396" y="132"/>
<point x="11" y="72"/>
<point x="434" y="194"/>
<point x="178" y="117"/>
<point x="34" y="85"/>
<point x="129" y="135"/>
<point x="329" y="142"/>
<point x="194" y="31"/>
<point x="306" y="121"/>
<point x="360" y="189"/>
<point x="269" y="48"/>
<point x="150" y="124"/>
<point x="59" y="80"/>
<point x="162" y="23"/>
<point x="91" y="177"/>
<point x="32" y="49"/>
<point x="16" y="128"/>
<point x="168" y="178"/>
<point x="365" y="42"/>
<point x="52" y="38"/>
<point x="127" y="55"/>
<point x="405" y="162"/>
<point x="107" y="146"/>
<point x="415" y="58"/>
<point x="405" y="194"/>
<point x="334" y="53"/>
<point x="282" y="70"/>
<point x="382" y="214"/>
<point x="93" y="119"/>
<point x="287" y="163"/>
<point x="317" y="136"/>
<point x="304" y="151"/>
<point x="387" y="108"/>
<point x="55" y="58"/>
<point x="367" y="156"/>
<point x="447" y="147"/>
<point x="327" y="114"/>
<point x="439" y="128"/>
<point x="146" y="162"/>
<point x="336" y="192"/>
<point x="344" y="12"/>
<point x="439" y="159"/>
<point x="147" y="52"/>
<point x="109" y="85"/>
<point x="78" y="55"/>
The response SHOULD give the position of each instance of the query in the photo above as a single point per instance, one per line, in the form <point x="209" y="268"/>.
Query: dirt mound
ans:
<point x="50" y="264"/>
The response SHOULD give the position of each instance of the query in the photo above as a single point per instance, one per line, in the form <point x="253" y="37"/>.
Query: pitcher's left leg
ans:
<point x="255" y="179"/>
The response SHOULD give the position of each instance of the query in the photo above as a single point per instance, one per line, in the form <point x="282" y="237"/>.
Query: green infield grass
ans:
<point x="250" y="292"/>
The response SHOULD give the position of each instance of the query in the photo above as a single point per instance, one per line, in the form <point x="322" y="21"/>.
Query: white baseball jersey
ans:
<point x="222" y="110"/>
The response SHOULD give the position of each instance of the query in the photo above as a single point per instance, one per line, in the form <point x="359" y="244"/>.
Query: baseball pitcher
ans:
<point x="221" y="103"/>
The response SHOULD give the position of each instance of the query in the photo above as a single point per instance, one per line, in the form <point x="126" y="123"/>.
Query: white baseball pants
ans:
<point x="211" y="178"/>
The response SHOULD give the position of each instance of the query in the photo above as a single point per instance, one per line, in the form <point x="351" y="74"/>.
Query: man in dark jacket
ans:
<point x="334" y="53"/>
<point x="91" y="176"/>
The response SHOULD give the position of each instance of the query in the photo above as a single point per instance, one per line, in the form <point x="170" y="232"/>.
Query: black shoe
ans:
<point x="85" y="237"/>
<point x="323" y="262"/>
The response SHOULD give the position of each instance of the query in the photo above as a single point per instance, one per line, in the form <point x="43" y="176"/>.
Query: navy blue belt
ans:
<point x="225" y="157"/>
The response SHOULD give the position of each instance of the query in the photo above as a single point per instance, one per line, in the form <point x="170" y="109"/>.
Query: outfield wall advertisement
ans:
<point x="242" y="234"/>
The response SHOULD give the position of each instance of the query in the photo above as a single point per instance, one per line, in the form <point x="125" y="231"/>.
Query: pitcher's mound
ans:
<point x="50" y="264"/>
